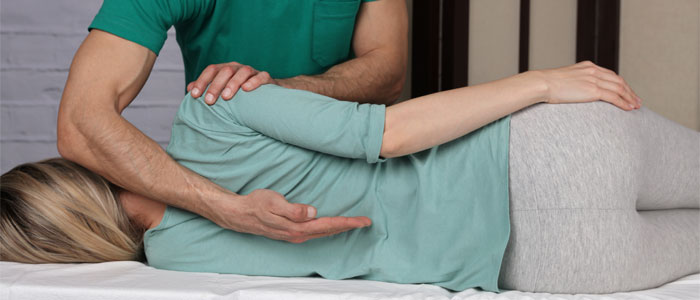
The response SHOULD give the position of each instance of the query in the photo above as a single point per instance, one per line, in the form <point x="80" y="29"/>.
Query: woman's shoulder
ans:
<point x="195" y="113"/>
<point x="171" y="217"/>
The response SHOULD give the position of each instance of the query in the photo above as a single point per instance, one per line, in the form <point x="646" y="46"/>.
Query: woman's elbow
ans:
<point x="391" y="145"/>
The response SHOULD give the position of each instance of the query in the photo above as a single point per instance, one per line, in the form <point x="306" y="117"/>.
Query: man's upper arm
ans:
<point x="381" y="34"/>
<point x="106" y="66"/>
<point x="382" y="25"/>
<point x="106" y="75"/>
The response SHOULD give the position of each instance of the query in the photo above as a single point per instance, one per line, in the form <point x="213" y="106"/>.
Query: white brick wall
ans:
<point x="38" y="39"/>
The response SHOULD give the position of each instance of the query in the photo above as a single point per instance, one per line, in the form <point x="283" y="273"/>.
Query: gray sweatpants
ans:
<point x="602" y="200"/>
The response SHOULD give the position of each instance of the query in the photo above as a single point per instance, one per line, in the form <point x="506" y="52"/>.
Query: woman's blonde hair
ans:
<point x="55" y="211"/>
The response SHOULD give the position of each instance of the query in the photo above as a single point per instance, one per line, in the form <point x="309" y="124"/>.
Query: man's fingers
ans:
<point x="295" y="212"/>
<point x="283" y="229"/>
<point x="218" y="84"/>
<point x="225" y="80"/>
<point x="256" y="81"/>
<point x="241" y="76"/>
<point x="333" y="224"/>
<point x="200" y="85"/>
<point x="272" y="216"/>
<point x="327" y="226"/>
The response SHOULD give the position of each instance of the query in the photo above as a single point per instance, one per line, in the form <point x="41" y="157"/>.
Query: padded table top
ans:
<point x="134" y="280"/>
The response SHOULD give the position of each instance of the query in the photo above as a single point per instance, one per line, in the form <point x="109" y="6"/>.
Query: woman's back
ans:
<point x="439" y="216"/>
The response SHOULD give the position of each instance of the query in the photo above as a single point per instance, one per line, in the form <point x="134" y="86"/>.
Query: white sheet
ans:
<point x="133" y="280"/>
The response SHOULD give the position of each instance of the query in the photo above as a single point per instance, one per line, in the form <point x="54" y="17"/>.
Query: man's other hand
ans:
<point x="225" y="79"/>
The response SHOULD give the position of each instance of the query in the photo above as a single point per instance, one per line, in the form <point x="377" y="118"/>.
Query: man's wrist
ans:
<point x="210" y="202"/>
<point x="297" y="82"/>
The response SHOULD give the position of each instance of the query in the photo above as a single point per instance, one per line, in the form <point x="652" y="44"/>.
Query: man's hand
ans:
<point x="226" y="79"/>
<point x="267" y="213"/>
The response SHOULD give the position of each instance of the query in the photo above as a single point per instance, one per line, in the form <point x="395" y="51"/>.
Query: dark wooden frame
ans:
<point x="439" y="64"/>
<point x="426" y="45"/>
<point x="455" y="44"/>
<point x="524" y="53"/>
<point x="598" y="32"/>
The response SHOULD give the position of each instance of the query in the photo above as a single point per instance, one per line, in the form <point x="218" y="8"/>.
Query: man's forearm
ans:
<point x="115" y="149"/>
<point x="106" y="75"/>
<point x="376" y="77"/>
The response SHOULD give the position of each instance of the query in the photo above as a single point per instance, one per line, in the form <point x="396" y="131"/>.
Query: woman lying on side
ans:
<point x="569" y="198"/>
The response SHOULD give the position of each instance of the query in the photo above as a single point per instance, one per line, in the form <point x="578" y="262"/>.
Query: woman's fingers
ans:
<point x="628" y="93"/>
<point x="615" y="99"/>
<point x="620" y="91"/>
<point x="587" y="81"/>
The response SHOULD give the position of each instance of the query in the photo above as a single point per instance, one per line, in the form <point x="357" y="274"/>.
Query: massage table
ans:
<point x="137" y="281"/>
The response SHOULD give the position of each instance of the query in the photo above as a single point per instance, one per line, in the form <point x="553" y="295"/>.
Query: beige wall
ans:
<point x="493" y="39"/>
<point x="659" y="56"/>
<point x="659" y="47"/>
<point x="552" y="33"/>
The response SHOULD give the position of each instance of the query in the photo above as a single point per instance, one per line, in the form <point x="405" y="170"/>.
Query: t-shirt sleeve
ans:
<point x="145" y="22"/>
<point x="311" y="121"/>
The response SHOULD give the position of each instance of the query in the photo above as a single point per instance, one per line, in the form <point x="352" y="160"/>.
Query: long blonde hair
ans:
<point x="55" y="211"/>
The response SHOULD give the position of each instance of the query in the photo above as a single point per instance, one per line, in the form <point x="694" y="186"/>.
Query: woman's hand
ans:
<point x="587" y="82"/>
<point x="267" y="213"/>
<point x="225" y="80"/>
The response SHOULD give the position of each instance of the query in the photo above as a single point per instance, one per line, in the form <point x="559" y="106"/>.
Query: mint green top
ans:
<point x="439" y="216"/>
<point x="283" y="37"/>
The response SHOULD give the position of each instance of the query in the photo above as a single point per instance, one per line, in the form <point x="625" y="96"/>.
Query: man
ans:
<point x="348" y="50"/>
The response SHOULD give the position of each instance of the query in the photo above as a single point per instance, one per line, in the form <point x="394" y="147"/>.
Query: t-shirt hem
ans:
<point x="376" y="133"/>
<point x="153" y="41"/>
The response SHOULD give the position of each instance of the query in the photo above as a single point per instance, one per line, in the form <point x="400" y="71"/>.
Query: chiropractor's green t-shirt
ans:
<point x="283" y="37"/>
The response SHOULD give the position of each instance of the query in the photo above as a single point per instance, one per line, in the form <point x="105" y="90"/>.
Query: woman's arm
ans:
<point x="431" y="120"/>
<point x="368" y="131"/>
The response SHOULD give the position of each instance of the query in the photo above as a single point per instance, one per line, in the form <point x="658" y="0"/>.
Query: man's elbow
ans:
<point x="394" y="88"/>
<point x="68" y="137"/>
<point x="397" y="87"/>
<point x="65" y="139"/>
